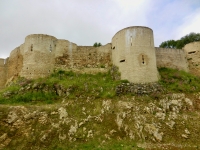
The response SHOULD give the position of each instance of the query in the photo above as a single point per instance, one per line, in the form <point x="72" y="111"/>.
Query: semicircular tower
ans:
<point x="133" y="52"/>
<point x="38" y="51"/>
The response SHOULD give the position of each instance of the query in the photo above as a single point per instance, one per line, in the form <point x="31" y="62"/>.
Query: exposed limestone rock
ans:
<point x="160" y="115"/>
<point x="106" y="104"/>
<point x="3" y="137"/>
<point x="62" y="137"/>
<point x="90" y="134"/>
<point x="171" y="124"/>
<point x="12" y="117"/>
<point x="188" y="101"/>
<point x="43" y="118"/>
<point x="153" y="130"/>
<point x="126" y="118"/>
<point x="62" y="112"/>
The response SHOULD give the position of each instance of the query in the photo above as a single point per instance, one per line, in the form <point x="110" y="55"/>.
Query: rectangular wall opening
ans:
<point x="123" y="60"/>
<point x="191" y="52"/>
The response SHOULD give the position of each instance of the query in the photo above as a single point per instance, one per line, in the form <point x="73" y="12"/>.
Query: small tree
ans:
<point x="97" y="44"/>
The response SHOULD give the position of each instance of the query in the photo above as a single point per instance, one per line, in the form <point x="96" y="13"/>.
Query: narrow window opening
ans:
<point x="31" y="47"/>
<point x="122" y="60"/>
<point x="192" y="52"/>
<point x="50" y="48"/>
<point x="143" y="59"/>
<point x="113" y="47"/>
<point x="131" y="40"/>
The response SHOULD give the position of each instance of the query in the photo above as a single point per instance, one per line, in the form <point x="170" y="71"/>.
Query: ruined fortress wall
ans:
<point x="192" y="47"/>
<point x="134" y="53"/>
<point x="104" y="55"/>
<point x="193" y="55"/>
<point x="87" y="58"/>
<point x="171" y="58"/>
<point x="2" y="73"/>
<point x="38" y="51"/>
<point x="64" y="54"/>
<point x="14" y="64"/>
<point x="63" y="46"/>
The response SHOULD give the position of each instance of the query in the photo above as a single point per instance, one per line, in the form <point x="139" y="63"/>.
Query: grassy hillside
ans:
<point x="69" y="110"/>
<point x="72" y="85"/>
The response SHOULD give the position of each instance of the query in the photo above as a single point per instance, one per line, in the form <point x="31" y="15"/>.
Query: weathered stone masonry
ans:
<point x="131" y="50"/>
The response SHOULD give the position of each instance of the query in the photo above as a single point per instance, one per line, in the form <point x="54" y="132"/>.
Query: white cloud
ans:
<point x="190" y="24"/>
<point x="89" y="21"/>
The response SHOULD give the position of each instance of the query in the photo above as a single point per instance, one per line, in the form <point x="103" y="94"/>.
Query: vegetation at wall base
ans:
<point x="177" y="81"/>
<point x="71" y="85"/>
<point x="60" y="84"/>
<point x="82" y="111"/>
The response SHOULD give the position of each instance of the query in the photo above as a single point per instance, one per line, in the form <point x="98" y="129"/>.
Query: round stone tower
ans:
<point x="38" y="52"/>
<point x="133" y="52"/>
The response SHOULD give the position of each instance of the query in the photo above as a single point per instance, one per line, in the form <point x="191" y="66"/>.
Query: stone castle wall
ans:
<point x="2" y="73"/>
<point x="171" y="58"/>
<point x="41" y="54"/>
<point x="193" y="56"/>
<point x="14" y="64"/>
<point x="134" y="53"/>
<point x="85" y="58"/>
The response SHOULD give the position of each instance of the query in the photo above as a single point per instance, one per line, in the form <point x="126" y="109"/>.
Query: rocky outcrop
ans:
<point x="174" y="117"/>
<point x="139" y="89"/>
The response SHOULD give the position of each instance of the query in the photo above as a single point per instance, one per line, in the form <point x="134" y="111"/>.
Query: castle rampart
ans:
<point x="85" y="58"/>
<point x="132" y="51"/>
<point x="2" y="73"/>
<point x="171" y="58"/>
<point x="193" y="54"/>
<point x="14" y="64"/>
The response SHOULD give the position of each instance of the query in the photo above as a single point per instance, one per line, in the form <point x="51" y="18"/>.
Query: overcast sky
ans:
<point x="85" y="22"/>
